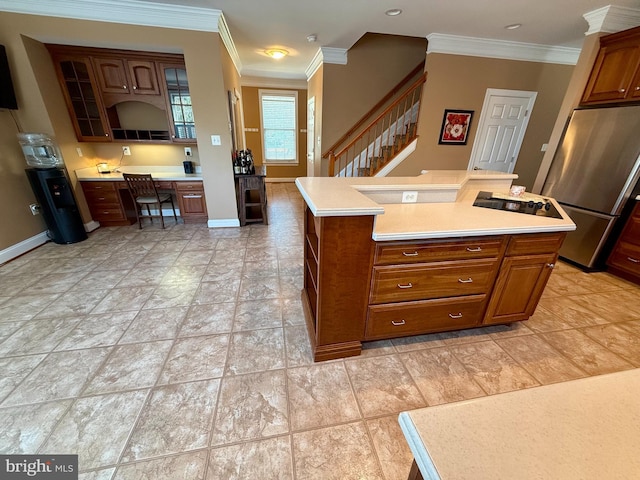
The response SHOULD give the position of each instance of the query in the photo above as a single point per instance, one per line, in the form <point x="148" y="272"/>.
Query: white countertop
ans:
<point x="450" y="214"/>
<point x="582" y="429"/>
<point x="169" y="173"/>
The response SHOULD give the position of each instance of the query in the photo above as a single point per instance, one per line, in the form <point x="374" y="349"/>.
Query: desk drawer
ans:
<point x="102" y="197"/>
<point x="186" y="186"/>
<point x="107" y="213"/>
<point x="422" y="281"/>
<point x="413" y="318"/>
<point x="98" y="186"/>
<point x="407" y="252"/>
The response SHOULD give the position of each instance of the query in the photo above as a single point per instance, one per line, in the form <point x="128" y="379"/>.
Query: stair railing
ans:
<point x="390" y="132"/>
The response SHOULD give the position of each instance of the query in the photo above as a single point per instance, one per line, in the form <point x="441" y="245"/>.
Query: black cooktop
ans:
<point x="543" y="208"/>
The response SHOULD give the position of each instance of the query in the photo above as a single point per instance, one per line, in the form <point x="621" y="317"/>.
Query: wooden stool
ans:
<point x="251" y="192"/>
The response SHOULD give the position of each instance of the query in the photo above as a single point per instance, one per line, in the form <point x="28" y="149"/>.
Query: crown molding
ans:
<point x="482" y="47"/>
<point x="337" y="56"/>
<point x="268" y="82"/>
<point x="132" y="12"/>
<point x="225" y="35"/>
<point x="611" y="19"/>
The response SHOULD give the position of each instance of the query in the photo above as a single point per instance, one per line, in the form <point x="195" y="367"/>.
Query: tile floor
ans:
<point x="183" y="354"/>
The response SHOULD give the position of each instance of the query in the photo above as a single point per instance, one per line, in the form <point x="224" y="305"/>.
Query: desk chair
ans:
<point x="143" y="191"/>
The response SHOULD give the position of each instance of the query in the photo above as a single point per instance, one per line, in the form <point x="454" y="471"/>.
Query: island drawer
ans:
<point x="433" y="250"/>
<point x="432" y="280"/>
<point x="412" y="318"/>
<point x="529" y="244"/>
<point x="626" y="256"/>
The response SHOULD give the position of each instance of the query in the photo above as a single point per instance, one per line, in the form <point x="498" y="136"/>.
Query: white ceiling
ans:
<point x="255" y="25"/>
<point x="259" y="24"/>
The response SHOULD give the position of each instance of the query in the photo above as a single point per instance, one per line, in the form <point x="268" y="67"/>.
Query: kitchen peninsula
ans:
<point x="377" y="268"/>
<point x="111" y="204"/>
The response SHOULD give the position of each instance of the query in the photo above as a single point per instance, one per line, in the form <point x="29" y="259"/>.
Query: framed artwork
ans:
<point x="455" y="127"/>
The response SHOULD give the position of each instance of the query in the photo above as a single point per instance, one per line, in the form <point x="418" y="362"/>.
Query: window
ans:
<point x="279" y="118"/>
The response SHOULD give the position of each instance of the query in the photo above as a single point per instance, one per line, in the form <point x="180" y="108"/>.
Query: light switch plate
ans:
<point x="215" y="140"/>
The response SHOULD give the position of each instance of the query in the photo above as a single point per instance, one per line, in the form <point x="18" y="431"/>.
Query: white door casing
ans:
<point x="311" y="135"/>
<point x="503" y="122"/>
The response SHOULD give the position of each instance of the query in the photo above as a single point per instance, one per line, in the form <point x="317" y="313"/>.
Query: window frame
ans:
<point x="281" y="93"/>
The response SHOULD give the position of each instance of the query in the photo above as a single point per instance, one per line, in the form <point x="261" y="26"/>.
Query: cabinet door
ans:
<point x="613" y="72"/>
<point x="143" y="77"/>
<point x="179" y="102"/>
<point x="519" y="286"/>
<point x="112" y="75"/>
<point x="80" y="91"/>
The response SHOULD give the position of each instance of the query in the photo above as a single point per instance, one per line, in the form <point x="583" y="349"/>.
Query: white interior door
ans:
<point x="503" y="123"/>
<point x="311" y="134"/>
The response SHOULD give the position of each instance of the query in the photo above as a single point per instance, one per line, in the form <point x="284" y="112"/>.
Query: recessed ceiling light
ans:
<point x="312" y="38"/>
<point x="394" y="12"/>
<point x="276" y="53"/>
<point x="513" y="26"/>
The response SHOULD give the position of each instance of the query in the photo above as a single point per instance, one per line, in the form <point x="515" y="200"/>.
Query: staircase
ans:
<point x="379" y="137"/>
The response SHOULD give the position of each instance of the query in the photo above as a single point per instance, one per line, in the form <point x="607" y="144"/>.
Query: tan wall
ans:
<point x="456" y="81"/>
<point x="376" y="63"/>
<point x="251" y="105"/>
<point x="42" y="109"/>
<point x="315" y="91"/>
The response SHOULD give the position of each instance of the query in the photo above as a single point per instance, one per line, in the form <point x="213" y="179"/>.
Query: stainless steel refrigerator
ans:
<point x="593" y="174"/>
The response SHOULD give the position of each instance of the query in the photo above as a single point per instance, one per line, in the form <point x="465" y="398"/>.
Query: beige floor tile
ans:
<point x="14" y="370"/>
<point x="266" y="349"/>
<point x="320" y="395"/>
<point x="124" y="299"/>
<point x="218" y="291"/>
<point x="268" y="459"/>
<point x="195" y="358"/>
<point x="440" y="376"/>
<point x="176" y="418"/>
<point x="297" y="346"/>
<point x="575" y="311"/>
<point x="157" y="324"/>
<point x="171" y="295"/>
<point x="209" y="318"/>
<point x="544" y="321"/>
<point x="251" y="315"/>
<point x="492" y="368"/>
<point x="97" y="331"/>
<point x="617" y="339"/>
<point x="383" y="386"/>
<point x="102" y="474"/>
<point x="251" y="407"/>
<point x="37" y="336"/>
<point x="380" y="347"/>
<point x="335" y="453"/>
<point x="417" y="342"/>
<point x="190" y="466"/>
<point x="541" y="360"/>
<point x="391" y="447"/>
<point x="587" y="354"/>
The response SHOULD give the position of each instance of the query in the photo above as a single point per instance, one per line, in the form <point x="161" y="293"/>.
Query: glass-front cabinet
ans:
<point x="179" y="103"/>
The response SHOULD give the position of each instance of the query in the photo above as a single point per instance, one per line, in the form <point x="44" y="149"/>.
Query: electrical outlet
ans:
<point x="79" y="151"/>
<point x="35" y="209"/>
<point x="544" y="147"/>
<point x="409" y="197"/>
<point x="126" y="150"/>
<point x="187" y="151"/>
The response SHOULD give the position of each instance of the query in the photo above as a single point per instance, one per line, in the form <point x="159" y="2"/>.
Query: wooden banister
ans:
<point x="375" y="108"/>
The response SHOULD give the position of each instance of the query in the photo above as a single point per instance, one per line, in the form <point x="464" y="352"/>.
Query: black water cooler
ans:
<point x="58" y="206"/>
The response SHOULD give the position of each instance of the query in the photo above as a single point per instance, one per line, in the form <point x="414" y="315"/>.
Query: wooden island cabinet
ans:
<point x="381" y="271"/>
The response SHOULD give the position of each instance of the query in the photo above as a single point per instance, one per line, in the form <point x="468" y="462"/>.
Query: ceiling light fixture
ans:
<point x="312" y="38"/>
<point x="513" y="26"/>
<point x="276" y="53"/>
<point x="394" y="12"/>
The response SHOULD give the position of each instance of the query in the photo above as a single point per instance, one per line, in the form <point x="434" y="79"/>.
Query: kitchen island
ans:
<point x="377" y="268"/>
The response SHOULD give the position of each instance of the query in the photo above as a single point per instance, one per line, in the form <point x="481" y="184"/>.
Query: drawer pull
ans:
<point x="634" y="260"/>
<point x="412" y="254"/>
<point x="455" y="315"/>
<point x="191" y="196"/>
<point x="408" y="285"/>
<point x="397" y="324"/>
<point x="475" y="249"/>
<point x="468" y="280"/>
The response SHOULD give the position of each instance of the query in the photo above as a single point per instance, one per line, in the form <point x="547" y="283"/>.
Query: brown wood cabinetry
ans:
<point x="125" y="95"/>
<point x="111" y="205"/>
<point x="359" y="290"/>
<point x="615" y="76"/>
<point x="625" y="257"/>
<point x="191" y="201"/>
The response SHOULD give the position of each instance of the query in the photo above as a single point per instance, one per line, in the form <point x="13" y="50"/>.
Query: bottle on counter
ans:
<point x="236" y="163"/>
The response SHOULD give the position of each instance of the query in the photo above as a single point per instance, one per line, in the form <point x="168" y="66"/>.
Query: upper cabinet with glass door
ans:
<point x="183" y="128"/>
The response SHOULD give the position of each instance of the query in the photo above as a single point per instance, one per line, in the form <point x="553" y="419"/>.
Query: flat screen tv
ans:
<point x="7" y="94"/>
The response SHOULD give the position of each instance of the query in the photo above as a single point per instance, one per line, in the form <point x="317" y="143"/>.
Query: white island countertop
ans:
<point x="449" y="212"/>
<point x="581" y="429"/>
<point x="167" y="173"/>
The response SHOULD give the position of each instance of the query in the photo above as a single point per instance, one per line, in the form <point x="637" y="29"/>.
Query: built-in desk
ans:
<point x="111" y="204"/>
<point x="582" y="429"/>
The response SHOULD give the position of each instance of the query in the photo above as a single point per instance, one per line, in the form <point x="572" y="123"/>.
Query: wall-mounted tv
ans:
<point x="7" y="94"/>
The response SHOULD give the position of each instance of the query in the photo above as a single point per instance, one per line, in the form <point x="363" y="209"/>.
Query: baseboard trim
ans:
<point x="279" y="180"/>
<point x="223" y="223"/>
<point x="91" y="226"/>
<point x="23" y="247"/>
